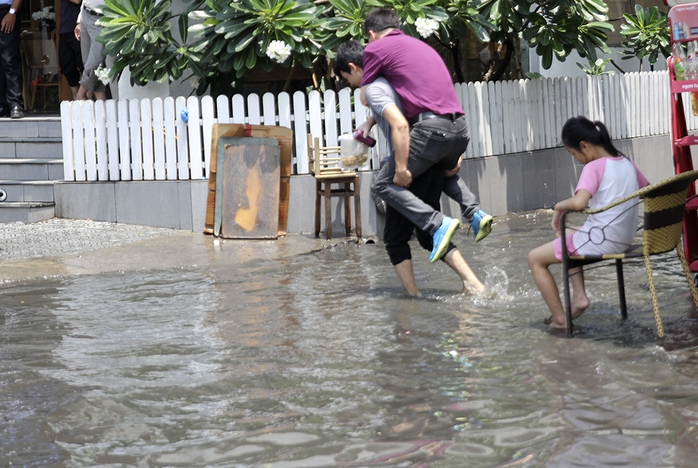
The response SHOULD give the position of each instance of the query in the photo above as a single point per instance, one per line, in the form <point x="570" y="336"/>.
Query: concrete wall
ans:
<point x="172" y="204"/>
<point x="508" y="183"/>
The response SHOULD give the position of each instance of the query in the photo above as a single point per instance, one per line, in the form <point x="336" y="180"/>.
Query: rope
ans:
<point x="653" y="294"/>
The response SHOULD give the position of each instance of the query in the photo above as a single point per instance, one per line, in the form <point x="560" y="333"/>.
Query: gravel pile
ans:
<point x="68" y="236"/>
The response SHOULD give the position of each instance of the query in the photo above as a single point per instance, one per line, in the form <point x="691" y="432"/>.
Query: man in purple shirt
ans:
<point x="435" y="130"/>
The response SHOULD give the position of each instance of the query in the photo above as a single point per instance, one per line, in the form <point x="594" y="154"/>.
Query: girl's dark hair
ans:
<point x="379" y="19"/>
<point x="578" y="129"/>
<point x="348" y="52"/>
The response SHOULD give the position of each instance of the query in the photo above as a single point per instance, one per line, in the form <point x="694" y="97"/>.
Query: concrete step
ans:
<point x="26" y="212"/>
<point x="31" y="169"/>
<point x="31" y="127"/>
<point x="26" y="191"/>
<point x="31" y="147"/>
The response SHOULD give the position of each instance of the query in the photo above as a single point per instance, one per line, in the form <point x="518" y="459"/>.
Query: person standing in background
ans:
<point x="69" y="55"/>
<point x="11" y="101"/>
<point x="86" y="31"/>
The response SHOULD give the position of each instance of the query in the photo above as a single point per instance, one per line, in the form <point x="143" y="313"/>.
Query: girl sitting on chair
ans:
<point x="607" y="176"/>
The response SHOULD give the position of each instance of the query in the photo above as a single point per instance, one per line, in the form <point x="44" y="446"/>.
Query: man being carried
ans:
<point x="385" y="106"/>
<point x="433" y="129"/>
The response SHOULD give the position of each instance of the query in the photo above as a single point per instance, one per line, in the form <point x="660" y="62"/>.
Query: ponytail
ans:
<point x="606" y="139"/>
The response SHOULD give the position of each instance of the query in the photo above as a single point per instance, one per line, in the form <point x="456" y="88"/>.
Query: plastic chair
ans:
<point x="664" y="209"/>
<point x="325" y="168"/>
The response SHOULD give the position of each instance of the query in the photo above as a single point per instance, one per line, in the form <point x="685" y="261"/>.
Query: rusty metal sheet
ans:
<point x="248" y="179"/>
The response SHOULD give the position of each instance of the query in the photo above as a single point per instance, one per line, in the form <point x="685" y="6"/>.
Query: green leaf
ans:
<point x="243" y="43"/>
<point x="251" y="59"/>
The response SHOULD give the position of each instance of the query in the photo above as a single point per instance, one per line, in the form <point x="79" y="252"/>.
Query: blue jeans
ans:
<point x="432" y="141"/>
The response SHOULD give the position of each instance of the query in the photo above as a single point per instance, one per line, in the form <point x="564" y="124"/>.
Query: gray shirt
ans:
<point x="379" y="95"/>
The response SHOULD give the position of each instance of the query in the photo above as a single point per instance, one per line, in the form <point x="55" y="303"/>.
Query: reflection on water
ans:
<point x="320" y="360"/>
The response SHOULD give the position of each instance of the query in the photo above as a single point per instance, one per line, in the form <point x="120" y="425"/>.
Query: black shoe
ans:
<point x="16" y="113"/>
<point x="4" y="111"/>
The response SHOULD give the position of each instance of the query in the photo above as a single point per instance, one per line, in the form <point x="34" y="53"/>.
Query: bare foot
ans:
<point x="473" y="288"/>
<point x="552" y="323"/>
<point x="579" y="305"/>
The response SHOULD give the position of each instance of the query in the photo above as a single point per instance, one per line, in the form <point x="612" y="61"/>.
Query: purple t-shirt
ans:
<point x="416" y="72"/>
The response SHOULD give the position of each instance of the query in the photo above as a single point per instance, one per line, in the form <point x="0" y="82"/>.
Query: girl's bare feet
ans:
<point x="552" y="323"/>
<point x="579" y="305"/>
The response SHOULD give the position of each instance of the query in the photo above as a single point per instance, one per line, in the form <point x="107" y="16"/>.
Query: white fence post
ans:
<point x="182" y="140"/>
<point x="300" y="130"/>
<point x="238" y="109"/>
<point x="90" y="155"/>
<point x="330" y="118"/>
<point x="136" y="146"/>
<point x="194" y="130"/>
<point x="112" y="141"/>
<point x="207" y="121"/>
<point x="158" y="129"/>
<point x="268" y="110"/>
<point x="253" y="110"/>
<point x="147" y="140"/>
<point x="124" y="140"/>
<point x="68" y="137"/>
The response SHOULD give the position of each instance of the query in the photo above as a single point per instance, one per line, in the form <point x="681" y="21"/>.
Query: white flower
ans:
<point x="278" y="51"/>
<point x="45" y="14"/>
<point x="426" y="26"/>
<point x="103" y="74"/>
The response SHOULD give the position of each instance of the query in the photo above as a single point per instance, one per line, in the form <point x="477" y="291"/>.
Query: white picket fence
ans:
<point x="149" y="140"/>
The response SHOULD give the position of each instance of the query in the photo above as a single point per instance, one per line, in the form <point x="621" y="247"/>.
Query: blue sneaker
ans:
<point x="442" y="237"/>
<point x="481" y="224"/>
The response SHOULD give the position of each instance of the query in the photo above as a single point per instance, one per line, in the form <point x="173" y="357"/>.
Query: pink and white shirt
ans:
<point x="612" y="231"/>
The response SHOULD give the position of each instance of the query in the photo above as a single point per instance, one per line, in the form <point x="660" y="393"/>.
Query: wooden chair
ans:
<point x="664" y="210"/>
<point x="40" y="66"/>
<point x="324" y="165"/>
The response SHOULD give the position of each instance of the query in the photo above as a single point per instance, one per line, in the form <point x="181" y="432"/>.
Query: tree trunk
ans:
<point x="455" y="51"/>
<point x="617" y="67"/>
<point x="495" y="71"/>
<point x="289" y="77"/>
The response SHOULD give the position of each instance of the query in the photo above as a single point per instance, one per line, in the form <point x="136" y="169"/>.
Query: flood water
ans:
<point x="320" y="360"/>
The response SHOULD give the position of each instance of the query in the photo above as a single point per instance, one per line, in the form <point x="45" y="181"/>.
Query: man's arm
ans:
<point x="367" y="125"/>
<point x="9" y="20"/>
<point x="362" y="96"/>
<point x="400" y="130"/>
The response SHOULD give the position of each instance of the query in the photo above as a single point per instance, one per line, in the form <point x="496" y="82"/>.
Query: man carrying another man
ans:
<point x="433" y="131"/>
<point x="385" y="106"/>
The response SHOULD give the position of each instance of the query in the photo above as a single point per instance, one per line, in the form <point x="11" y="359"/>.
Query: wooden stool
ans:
<point x="324" y="165"/>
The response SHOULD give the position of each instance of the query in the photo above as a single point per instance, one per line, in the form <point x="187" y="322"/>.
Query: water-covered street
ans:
<point x="195" y="353"/>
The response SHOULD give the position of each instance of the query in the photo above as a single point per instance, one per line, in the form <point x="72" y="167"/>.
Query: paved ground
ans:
<point x="69" y="247"/>
<point x="66" y="236"/>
